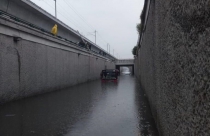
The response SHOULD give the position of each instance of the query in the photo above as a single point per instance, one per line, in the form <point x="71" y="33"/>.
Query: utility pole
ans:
<point x="107" y="47"/>
<point x="95" y="36"/>
<point x="55" y="9"/>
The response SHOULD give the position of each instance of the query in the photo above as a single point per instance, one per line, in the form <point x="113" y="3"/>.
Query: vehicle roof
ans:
<point x="108" y="70"/>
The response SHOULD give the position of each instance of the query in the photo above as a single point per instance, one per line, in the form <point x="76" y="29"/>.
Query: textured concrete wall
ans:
<point x="39" y="62"/>
<point x="28" y="68"/>
<point x="174" y="66"/>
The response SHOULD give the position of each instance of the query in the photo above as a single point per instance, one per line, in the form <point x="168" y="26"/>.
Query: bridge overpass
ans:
<point x="125" y="63"/>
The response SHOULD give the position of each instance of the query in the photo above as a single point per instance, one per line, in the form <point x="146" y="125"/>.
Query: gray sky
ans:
<point x="114" y="20"/>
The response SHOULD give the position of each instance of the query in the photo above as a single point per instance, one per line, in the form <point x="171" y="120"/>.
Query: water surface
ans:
<point x="90" y="109"/>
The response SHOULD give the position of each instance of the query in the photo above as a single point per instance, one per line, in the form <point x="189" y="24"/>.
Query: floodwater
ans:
<point x="90" y="109"/>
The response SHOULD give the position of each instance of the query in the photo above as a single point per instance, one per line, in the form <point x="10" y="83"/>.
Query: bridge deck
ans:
<point x="125" y="62"/>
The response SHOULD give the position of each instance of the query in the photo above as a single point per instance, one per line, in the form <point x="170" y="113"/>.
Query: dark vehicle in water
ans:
<point x="109" y="75"/>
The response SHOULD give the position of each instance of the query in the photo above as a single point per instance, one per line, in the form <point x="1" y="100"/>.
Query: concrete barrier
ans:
<point x="174" y="67"/>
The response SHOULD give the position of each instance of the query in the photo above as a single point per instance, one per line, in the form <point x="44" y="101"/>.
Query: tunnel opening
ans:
<point x="125" y="68"/>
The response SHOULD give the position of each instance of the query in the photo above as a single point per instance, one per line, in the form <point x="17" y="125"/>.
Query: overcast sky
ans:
<point x="114" y="20"/>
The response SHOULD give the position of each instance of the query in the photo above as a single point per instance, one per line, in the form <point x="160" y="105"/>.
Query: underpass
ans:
<point x="128" y="63"/>
<point x="50" y="84"/>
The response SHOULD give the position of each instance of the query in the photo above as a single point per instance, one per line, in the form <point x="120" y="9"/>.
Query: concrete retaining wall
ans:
<point x="40" y="63"/>
<point x="174" y="66"/>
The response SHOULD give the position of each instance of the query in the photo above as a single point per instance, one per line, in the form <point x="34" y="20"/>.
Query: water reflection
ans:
<point x="89" y="109"/>
<point x="109" y="85"/>
<point x="125" y="70"/>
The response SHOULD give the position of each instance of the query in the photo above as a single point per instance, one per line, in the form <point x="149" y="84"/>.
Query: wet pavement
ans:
<point x="90" y="109"/>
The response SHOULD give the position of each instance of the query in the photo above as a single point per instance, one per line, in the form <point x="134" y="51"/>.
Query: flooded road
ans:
<point x="90" y="109"/>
